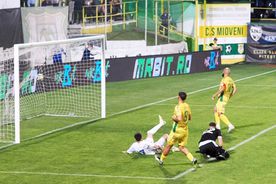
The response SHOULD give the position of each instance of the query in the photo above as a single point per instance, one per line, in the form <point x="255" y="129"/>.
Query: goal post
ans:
<point x="64" y="78"/>
<point x="16" y="89"/>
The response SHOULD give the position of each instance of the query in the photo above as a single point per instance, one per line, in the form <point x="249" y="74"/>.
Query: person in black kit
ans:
<point x="208" y="145"/>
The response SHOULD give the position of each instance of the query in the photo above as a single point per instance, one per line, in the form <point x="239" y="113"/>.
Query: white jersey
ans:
<point x="146" y="147"/>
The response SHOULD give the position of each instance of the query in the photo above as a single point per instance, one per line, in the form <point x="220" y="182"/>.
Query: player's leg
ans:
<point x="217" y="118"/>
<point x="165" y="152"/>
<point x="152" y="131"/>
<point x="161" y="142"/>
<point x="183" y="149"/>
<point x="222" y="154"/>
<point x="170" y="142"/>
<point x="220" y="115"/>
<point x="188" y="154"/>
<point x="224" y="118"/>
<point x="204" y="150"/>
<point x="210" y="151"/>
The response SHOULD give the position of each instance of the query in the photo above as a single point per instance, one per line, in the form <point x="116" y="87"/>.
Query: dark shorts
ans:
<point x="214" y="151"/>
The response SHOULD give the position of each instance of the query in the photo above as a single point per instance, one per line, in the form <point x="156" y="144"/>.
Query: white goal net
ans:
<point x="56" y="78"/>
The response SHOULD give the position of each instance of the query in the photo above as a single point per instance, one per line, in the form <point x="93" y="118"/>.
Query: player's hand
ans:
<point x="174" y="117"/>
<point x="213" y="97"/>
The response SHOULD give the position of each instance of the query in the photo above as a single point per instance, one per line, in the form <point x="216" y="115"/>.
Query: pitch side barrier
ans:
<point x="261" y="46"/>
<point x="66" y="75"/>
<point x="141" y="67"/>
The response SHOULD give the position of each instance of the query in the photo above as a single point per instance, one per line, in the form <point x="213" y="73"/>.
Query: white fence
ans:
<point x="134" y="48"/>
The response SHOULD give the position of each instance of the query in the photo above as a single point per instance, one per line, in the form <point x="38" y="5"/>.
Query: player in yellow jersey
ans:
<point x="226" y="90"/>
<point x="179" y="133"/>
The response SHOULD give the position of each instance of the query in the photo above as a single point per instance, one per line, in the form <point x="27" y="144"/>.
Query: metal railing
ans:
<point x="164" y="31"/>
<point x="97" y="13"/>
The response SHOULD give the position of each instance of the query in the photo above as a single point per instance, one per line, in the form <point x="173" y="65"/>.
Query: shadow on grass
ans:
<point x="165" y="172"/>
<point x="249" y="125"/>
<point x="176" y="164"/>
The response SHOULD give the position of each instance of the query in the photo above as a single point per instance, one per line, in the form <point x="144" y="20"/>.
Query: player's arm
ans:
<point x="234" y="90"/>
<point x="221" y="89"/>
<point x="130" y="150"/>
<point x="189" y="113"/>
<point x="182" y="117"/>
<point x="177" y="118"/>
<point x="220" y="140"/>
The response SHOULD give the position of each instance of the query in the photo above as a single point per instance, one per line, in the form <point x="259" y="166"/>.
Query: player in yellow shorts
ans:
<point x="226" y="90"/>
<point x="179" y="133"/>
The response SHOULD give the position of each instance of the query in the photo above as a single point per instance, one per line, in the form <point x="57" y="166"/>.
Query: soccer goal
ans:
<point x="57" y="78"/>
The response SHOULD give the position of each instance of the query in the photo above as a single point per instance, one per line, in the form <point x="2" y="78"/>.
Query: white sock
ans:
<point x="218" y="126"/>
<point x="155" y="129"/>
<point x="231" y="125"/>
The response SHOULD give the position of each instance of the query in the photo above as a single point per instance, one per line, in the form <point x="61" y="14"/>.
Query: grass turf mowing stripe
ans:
<point x="233" y="106"/>
<point x="134" y="177"/>
<point x="230" y="149"/>
<point x="130" y="110"/>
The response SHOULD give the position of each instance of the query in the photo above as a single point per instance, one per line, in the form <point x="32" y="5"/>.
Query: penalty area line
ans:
<point x="230" y="149"/>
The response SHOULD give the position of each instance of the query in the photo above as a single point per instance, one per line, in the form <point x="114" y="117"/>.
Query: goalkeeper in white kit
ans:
<point x="148" y="146"/>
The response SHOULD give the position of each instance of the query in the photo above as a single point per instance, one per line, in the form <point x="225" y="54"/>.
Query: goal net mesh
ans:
<point x="55" y="79"/>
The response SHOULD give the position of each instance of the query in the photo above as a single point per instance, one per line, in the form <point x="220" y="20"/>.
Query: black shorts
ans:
<point x="211" y="149"/>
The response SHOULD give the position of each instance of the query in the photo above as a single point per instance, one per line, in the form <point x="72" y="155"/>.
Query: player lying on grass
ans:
<point x="208" y="145"/>
<point x="148" y="146"/>
<point x="226" y="90"/>
<point x="179" y="133"/>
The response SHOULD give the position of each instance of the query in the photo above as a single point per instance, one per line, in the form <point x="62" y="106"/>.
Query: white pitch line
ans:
<point x="253" y="106"/>
<point x="134" y="177"/>
<point x="230" y="149"/>
<point x="137" y="108"/>
<point x="183" y="173"/>
<point x="189" y="93"/>
<point x="256" y="85"/>
<point x="131" y="109"/>
<point x="83" y="175"/>
<point x="252" y="138"/>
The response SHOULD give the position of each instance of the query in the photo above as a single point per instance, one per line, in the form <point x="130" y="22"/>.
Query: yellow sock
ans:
<point x="225" y="119"/>
<point x="190" y="156"/>
<point x="163" y="157"/>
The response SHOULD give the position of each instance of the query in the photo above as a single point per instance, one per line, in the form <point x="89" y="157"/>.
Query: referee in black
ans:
<point x="208" y="145"/>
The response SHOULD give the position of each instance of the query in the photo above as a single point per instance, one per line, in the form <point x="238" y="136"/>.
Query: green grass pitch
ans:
<point x="92" y="153"/>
